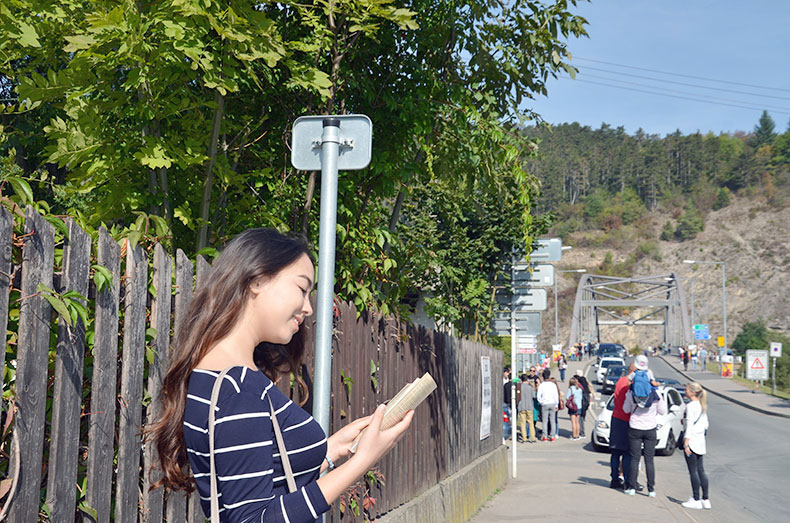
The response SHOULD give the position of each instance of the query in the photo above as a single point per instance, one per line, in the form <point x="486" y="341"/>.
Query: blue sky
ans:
<point x="730" y="42"/>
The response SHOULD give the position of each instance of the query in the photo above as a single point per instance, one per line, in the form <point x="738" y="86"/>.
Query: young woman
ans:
<point x="575" y="392"/>
<point x="694" y="444"/>
<point x="247" y="317"/>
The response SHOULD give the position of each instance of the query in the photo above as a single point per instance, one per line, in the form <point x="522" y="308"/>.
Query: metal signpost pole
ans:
<point x="556" y="313"/>
<point x="724" y="300"/>
<point x="513" y="348"/>
<point x="317" y="143"/>
<point x="330" y="138"/>
<point x="773" y="376"/>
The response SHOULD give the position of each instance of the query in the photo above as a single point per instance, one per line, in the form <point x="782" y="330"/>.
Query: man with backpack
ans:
<point x="644" y="404"/>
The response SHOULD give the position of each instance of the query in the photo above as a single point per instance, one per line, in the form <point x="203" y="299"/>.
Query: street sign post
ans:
<point x="531" y="299"/>
<point x="549" y="250"/>
<point x="701" y="332"/>
<point x="757" y="365"/>
<point x="329" y="143"/>
<point x="776" y="352"/>
<point x="537" y="275"/>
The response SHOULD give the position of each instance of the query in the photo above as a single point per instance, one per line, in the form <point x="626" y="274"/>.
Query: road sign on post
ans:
<point x="531" y="299"/>
<point x="536" y="275"/>
<point x="329" y="143"/>
<point x="757" y="365"/>
<point x="776" y="349"/>
<point x="701" y="332"/>
<point x="549" y="250"/>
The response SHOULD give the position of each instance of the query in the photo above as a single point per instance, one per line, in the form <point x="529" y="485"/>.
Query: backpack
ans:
<point x="643" y="391"/>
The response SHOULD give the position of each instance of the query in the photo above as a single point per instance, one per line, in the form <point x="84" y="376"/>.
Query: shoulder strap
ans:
<point x="212" y="407"/>
<point x="289" y="477"/>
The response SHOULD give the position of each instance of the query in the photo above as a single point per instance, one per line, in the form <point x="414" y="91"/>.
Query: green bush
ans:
<point x="668" y="232"/>
<point x="722" y="199"/>
<point x="689" y="224"/>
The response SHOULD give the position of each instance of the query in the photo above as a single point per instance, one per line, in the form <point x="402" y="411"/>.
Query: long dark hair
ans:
<point x="213" y="311"/>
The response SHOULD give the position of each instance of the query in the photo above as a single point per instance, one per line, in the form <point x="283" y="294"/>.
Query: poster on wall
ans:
<point x="485" y="407"/>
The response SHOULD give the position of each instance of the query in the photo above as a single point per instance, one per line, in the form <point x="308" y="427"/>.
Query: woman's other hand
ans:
<point x="339" y="443"/>
<point x="376" y="443"/>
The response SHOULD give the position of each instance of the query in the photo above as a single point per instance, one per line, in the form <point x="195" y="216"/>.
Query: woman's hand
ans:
<point x="376" y="443"/>
<point x="339" y="443"/>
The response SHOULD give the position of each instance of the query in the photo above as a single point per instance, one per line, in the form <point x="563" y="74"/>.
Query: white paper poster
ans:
<point x="485" y="408"/>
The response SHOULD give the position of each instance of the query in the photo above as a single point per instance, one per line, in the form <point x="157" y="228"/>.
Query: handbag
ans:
<point x="289" y="476"/>
<point x="559" y="393"/>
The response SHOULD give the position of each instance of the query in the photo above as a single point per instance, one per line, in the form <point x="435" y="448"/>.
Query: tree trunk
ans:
<point x="205" y="202"/>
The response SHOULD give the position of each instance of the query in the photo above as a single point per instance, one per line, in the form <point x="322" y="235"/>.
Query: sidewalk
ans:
<point x="732" y="390"/>
<point x="568" y="480"/>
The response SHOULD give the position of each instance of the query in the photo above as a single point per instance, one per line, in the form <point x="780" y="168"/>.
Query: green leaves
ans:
<point x="70" y="306"/>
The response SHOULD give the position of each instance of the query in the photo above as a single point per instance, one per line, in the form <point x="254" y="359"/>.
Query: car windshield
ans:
<point x="608" y="363"/>
<point x="615" y="371"/>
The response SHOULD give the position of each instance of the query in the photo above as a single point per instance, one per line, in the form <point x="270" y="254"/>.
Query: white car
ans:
<point x="670" y="425"/>
<point x="600" y="372"/>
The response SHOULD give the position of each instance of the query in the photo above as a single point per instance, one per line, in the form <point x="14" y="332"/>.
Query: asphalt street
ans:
<point x="748" y="464"/>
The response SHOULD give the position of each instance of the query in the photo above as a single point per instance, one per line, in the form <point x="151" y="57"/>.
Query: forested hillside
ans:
<point x="641" y="204"/>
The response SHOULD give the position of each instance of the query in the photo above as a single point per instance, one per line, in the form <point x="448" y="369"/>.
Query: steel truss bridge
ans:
<point x="644" y="300"/>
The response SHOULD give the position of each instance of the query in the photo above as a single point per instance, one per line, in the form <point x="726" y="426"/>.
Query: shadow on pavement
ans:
<point x="601" y="482"/>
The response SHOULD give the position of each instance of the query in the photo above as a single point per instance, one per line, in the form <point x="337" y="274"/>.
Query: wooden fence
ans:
<point x="82" y="453"/>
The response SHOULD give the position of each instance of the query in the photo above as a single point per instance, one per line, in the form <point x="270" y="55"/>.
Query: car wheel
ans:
<point x="671" y="445"/>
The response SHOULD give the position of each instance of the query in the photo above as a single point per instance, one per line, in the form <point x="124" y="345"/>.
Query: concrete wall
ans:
<point x="459" y="497"/>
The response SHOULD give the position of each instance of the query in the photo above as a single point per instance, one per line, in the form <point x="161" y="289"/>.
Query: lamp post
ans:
<point x="723" y="294"/>
<point x="556" y="308"/>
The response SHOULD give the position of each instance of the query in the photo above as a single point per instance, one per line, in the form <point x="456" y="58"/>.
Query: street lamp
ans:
<point x="723" y="292"/>
<point x="556" y="308"/>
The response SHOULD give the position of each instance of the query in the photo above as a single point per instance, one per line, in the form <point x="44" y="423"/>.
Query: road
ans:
<point x="748" y="464"/>
<point x="748" y="460"/>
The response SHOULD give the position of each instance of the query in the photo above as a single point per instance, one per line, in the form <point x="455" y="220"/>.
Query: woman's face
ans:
<point x="280" y="304"/>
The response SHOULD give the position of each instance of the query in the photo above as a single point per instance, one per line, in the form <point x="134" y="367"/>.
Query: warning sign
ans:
<point x="756" y="364"/>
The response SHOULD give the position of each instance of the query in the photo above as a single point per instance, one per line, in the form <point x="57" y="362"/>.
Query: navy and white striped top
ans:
<point x="251" y="480"/>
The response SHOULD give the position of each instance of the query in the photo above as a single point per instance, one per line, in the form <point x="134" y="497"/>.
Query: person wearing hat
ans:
<point x="587" y="394"/>
<point x="642" y="425"/>
<point x="640" y="363"/>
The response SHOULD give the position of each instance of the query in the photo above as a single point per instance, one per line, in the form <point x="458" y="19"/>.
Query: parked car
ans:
<point x="670" y="425"/>
<point x="675" y="384"/>
<point x="611" y="350"/>
<point x="613" y="373"/>
<point x="604" y="364"/>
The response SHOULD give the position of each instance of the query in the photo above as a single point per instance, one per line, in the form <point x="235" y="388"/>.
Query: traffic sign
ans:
<point x="526" y="323"/>
<point x="720" y="341"/>
<point x="354" y="142"/>
<point x="776" y="349"/>
<point x="532" y="300"/>
<point x="757" y="365"/>
<point x="547" y="250"/>
<point x="537" y="275"/>
<point x="701" y="331"/>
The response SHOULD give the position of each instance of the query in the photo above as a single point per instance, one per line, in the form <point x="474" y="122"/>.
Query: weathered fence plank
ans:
<point x="176" y="510"/>
<point x="31" y="373"/>
<point x="101" y="427"/>
<point x="153" y="500"/>
<point x="67" y="388"/>
<point x="6" y="246"/>
<point x="194" y="510"/>
<point x="130" y="409"/>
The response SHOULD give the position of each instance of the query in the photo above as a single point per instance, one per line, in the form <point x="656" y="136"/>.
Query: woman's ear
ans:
<point x="256" y="286"/>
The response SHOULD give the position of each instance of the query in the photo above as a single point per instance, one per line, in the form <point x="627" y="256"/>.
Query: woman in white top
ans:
<point x="694" y="444"/>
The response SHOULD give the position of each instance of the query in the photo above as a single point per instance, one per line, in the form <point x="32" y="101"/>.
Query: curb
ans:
<point x="729" y="398"/>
